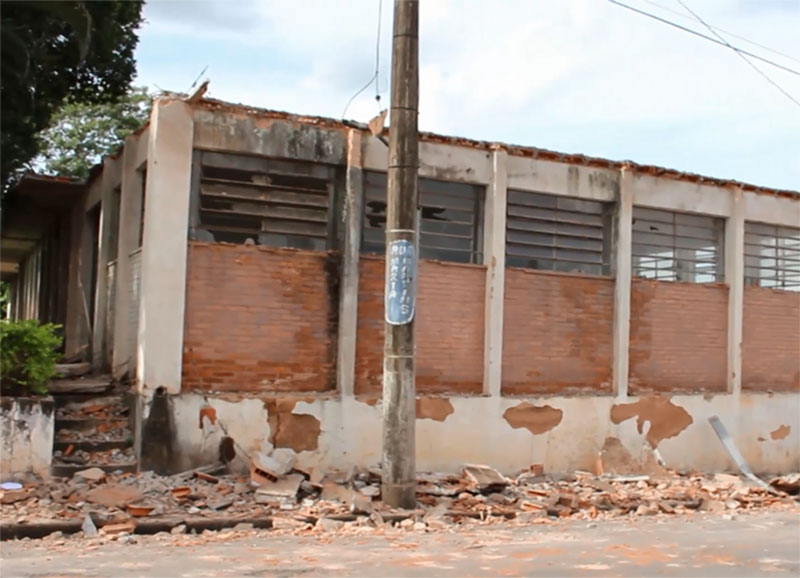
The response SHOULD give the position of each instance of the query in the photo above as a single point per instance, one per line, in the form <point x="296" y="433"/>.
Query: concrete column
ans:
<point x="129" y="214"/>
<point x="623" y="229"/>
<point x="348" y="287"/>
<point x="110" y="179"/>
<point x="494" y="256"/>
<point x="165" y="247"/>
<point x="734" y="277"/>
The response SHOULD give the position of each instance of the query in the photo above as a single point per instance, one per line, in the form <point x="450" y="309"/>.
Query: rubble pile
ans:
<point x="293" y="496"/>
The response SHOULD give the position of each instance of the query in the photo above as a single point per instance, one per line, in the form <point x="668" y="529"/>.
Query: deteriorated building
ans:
<point x="229" y="260"/>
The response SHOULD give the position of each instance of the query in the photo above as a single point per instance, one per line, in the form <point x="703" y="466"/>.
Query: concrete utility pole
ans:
<point x="399" y="419"/>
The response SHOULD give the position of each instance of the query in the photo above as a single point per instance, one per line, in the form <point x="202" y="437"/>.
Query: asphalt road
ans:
<point x="762" y="544"/>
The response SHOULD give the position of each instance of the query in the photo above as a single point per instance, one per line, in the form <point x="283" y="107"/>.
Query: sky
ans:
<point x="576" y="76"/>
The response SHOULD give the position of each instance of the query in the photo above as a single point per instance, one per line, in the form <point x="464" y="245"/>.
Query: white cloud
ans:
<point x="530" y="71"/>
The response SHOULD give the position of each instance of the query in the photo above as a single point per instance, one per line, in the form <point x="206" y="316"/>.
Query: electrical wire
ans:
<point x="374" y="77"/>
<point x="696" y="33"/>
<point x="738" y="52"/>
<point x="731" y="34"/>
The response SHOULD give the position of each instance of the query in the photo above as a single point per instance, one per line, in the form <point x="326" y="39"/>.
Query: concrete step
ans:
<point x="93" y="446"/>
<point x="60" y="470"/>
<point x="82" y="424"/>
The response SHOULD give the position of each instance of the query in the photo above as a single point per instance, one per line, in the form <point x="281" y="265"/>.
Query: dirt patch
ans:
<point x="435" y="408"/>
<point x="780" y="433"/>
<point x="537" y="420"/>
<point x="666" y="419"/>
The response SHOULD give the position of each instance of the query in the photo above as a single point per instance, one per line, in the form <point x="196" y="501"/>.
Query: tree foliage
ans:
<point x="81" y="133"/>
<point x="28" y="355"/>
<point x="56" y="49"/>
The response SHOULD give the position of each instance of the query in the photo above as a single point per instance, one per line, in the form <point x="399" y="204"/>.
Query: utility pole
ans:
<point x="399" y="419"/>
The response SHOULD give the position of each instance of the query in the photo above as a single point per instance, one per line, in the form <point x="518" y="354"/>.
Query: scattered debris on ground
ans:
<point x="292" y="497"/>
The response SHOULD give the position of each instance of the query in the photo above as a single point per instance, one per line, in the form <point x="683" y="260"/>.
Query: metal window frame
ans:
<point x="373" y="237"/>
<point x="675" y="255"/>
<point x="288" y="215"/>
<point x="784" y="272"/>
<point x="555" y="230"/>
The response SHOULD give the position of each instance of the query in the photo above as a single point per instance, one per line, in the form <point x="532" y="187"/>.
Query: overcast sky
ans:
<point x="577" y="76"/>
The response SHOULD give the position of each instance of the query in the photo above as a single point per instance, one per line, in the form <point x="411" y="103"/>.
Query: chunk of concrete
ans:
<point x="279" y="490"/>
<point x="92" y="475"/>
<point x="484" y="478"/>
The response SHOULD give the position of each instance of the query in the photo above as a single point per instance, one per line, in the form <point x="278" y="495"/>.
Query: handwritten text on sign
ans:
<point x="401" y="285"/>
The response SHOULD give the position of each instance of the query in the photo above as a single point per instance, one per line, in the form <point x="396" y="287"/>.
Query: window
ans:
<point x="772" y="256"/>
<point x="143" y="181"/>
<point x="670" y="246"/>
<point x="449" y="219"/>
<point x="269" y="202"/>
<point x="555" y="233"/>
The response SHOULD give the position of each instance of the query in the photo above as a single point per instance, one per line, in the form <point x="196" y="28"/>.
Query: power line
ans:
<point x="718" y="29"/>
<point x="696" y="33"/>
<point x="374" y="77"/>
<point x="738" y="52"/>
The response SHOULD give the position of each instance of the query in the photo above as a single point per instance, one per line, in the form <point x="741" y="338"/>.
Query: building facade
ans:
<point x="562" y="300"/>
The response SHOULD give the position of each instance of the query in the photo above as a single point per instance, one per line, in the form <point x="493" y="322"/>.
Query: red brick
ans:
<point x="771" y="340"/>
<point x="259" y="319"/>
<point x="449" y="327"/>
<point x="679" y="336"/>
<point x="557" y="333"/>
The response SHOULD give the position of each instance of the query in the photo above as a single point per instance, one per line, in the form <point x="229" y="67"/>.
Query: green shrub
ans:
<point x="27" y="356"/>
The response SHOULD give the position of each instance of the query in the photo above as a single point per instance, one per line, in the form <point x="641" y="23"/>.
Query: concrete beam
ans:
<point x="773" y="210"/>
<point x="275" y="138"/>
<point x="164" y="247"/>
<point x="681" y="196"/>
<point x="494" y="257"/>
<point x="623" y="238"/>
<point x="555" y="178"/>
<point x="734" y="277"/>
<point x="348" y="292"/>
<point x="437" y="161"/>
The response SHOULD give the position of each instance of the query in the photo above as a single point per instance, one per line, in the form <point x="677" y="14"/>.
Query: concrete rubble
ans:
<point x="114" y="503"/>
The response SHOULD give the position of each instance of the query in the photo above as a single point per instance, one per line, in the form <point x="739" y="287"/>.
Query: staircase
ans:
<point x="93" y="427"/>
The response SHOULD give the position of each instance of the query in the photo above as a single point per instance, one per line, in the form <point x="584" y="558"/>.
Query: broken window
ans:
<point x="265" y="201"/>
<point x="670" y="246"/>
<point x="449" y="219"/>
<point x="556" y="233"/>
<point x="772" y="256"/>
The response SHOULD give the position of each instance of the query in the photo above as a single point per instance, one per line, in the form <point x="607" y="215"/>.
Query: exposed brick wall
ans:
<point x="259" y="319"/>
<point x="557" y="333"/>
<point x="771" y="340"/>
<point x="679" y="334"/>
<point x="449" y="327"/>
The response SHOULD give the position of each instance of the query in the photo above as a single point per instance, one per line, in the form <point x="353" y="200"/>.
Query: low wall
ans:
<point x="28" y="426"/>
<point x="563" y="433"/>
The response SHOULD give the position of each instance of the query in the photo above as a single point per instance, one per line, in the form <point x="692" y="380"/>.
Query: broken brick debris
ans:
<point x="299" y="499"/>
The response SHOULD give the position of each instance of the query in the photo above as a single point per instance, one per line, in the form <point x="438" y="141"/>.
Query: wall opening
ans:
<point x="671" y="246"/>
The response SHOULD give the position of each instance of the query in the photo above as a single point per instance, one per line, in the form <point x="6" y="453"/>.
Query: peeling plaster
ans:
<point x="435" y="408"/>
<point x="780" y="433"/>
<point x="537" y="420"/>
<point x="666" y="419"/>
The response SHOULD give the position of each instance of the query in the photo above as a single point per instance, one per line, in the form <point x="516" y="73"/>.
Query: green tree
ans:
<point x="52" y="50"/>
<point x="81" y="133"/>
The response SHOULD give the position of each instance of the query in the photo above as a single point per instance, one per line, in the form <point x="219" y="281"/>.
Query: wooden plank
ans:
<point x="241" y="187"/>
<point x="264" y="165"/>
<point x="273" y="212"/>
<point x="295" y="228"/>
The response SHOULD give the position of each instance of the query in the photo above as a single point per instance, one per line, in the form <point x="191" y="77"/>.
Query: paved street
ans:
<point x="765" y="544"/>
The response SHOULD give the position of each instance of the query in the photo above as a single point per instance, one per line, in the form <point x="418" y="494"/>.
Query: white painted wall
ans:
<point x="477" y="432"/>
<point x="27" y="441"/>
